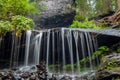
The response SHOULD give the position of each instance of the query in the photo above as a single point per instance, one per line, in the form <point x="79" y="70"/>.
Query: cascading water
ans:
<point x="47" y="57"/>
<point x="27" y="47"/>
<point x="61" y="49"/>
<point x="69" y="40"/>
<point x="77" y="55"/>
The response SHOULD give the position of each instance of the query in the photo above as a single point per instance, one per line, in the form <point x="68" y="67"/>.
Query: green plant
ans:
<point x="78" y="18"/>
<point x="109" y="63"/>
<point x="5" y="26"/>
<point x="115" y="78"/>
<point x="102" y="51"/>
<point x="12" y="14"/>
<point x="9" y="8"/>
<point x="84" y="60"/>
<point x="85" y="24"/>
<point x="118" y="50"/>
<point x="53" y="66"/>
<point x="22" y="23"/>
<point x="67" y="67"/>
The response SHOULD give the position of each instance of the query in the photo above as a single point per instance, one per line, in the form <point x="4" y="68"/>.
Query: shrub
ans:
<point x="9" y="8"/>
<point x="5" y="26"/>
<point x="22" y="23"/>
<point x="85" y="24"/>
<point x="101" y="52"/>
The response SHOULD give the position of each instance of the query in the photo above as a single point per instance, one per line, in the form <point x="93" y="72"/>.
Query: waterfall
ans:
<point x="37" y="48"/>
<point x="69" y="39"/>
<point x="61" y="49"/>
<point x="47" y="57"/>
<point x="53" y="49"/>
<point x="77" y="54"/>
<point x="28" y="35"/>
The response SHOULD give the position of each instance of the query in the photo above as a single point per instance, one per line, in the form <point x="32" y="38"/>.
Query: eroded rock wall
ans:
<point x="55" y="13"/>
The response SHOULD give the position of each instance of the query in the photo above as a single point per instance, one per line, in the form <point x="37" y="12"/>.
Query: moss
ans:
<point x="109" y="64"/>
<point x="101" y="52"/>
<point x="116" y="79"/>
<point x="53" y="66"/>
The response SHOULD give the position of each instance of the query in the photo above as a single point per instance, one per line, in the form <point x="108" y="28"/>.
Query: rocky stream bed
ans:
<point x="37" y="72"/>
<point x="108" y="70"/>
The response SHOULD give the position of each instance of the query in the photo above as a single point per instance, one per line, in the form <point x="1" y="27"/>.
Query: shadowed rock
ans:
<point x="57" y="13"/>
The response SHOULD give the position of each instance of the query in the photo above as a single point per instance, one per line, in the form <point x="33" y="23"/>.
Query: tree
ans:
<point x="83" y="8"/>
<point x="9" y="8"/>
<point x="103" y="6"/>
<point x="12" y="15"/>
<point x="90" y="8"/>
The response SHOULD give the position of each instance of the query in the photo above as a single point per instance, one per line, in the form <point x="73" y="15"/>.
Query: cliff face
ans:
<point x="57" y="13"/>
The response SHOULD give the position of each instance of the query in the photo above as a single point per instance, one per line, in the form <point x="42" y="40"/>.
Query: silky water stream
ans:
<point x="61" y="50"/>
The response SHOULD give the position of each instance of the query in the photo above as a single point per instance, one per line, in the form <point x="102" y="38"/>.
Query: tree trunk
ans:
<point x="118" y="4"/>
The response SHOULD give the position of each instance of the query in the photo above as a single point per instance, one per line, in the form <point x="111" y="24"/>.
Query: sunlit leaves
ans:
<point x="5" y="26"/>
<point x="10" y="8"/>
<point x="22" y="23"/>
<point x="85" y="24"/>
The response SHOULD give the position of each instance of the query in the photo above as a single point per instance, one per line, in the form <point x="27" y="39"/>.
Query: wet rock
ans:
<point x="7" y="75"/>
<point x="88" y="75"/>
<point x="53" y="77"/>
<point x="17" y="76"/>
<point x="107" y="75"/>
<point x="41" y="66"/>
<point x="66" y="78"/>
<point x="41" y="71"/>
<point x="109" y="68"/>
<point x="25" y="75"/>
<point x="29" y="69"/>
<point x="32" y="76"/>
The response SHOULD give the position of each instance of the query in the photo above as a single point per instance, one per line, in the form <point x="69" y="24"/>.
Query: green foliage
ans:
<point x="12" y="14"/>
<point x="53" y="66"/>
<point x="102" y="51"/>
<point x="90" y="8"/>
<point x="113" y="2"/>
<point x="5" y="26"/>
<point x="116" y="79"/>
<point x="118" y="50"/>
<point x="67" y="67"/>
<point x="19" y="24"/>
<point x="84" y="60"/>
<point x="78" y="18"/>
<point x="85" y="24"/>
<point x="101" y="7"/>
<point x="83" y="8"/>
<point x="9" y="8"/>
<point x="111" y="64"/>
<point x="22" y="23"/>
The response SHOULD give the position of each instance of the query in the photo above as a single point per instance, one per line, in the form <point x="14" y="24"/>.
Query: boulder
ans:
<point x="109" y="68"/>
